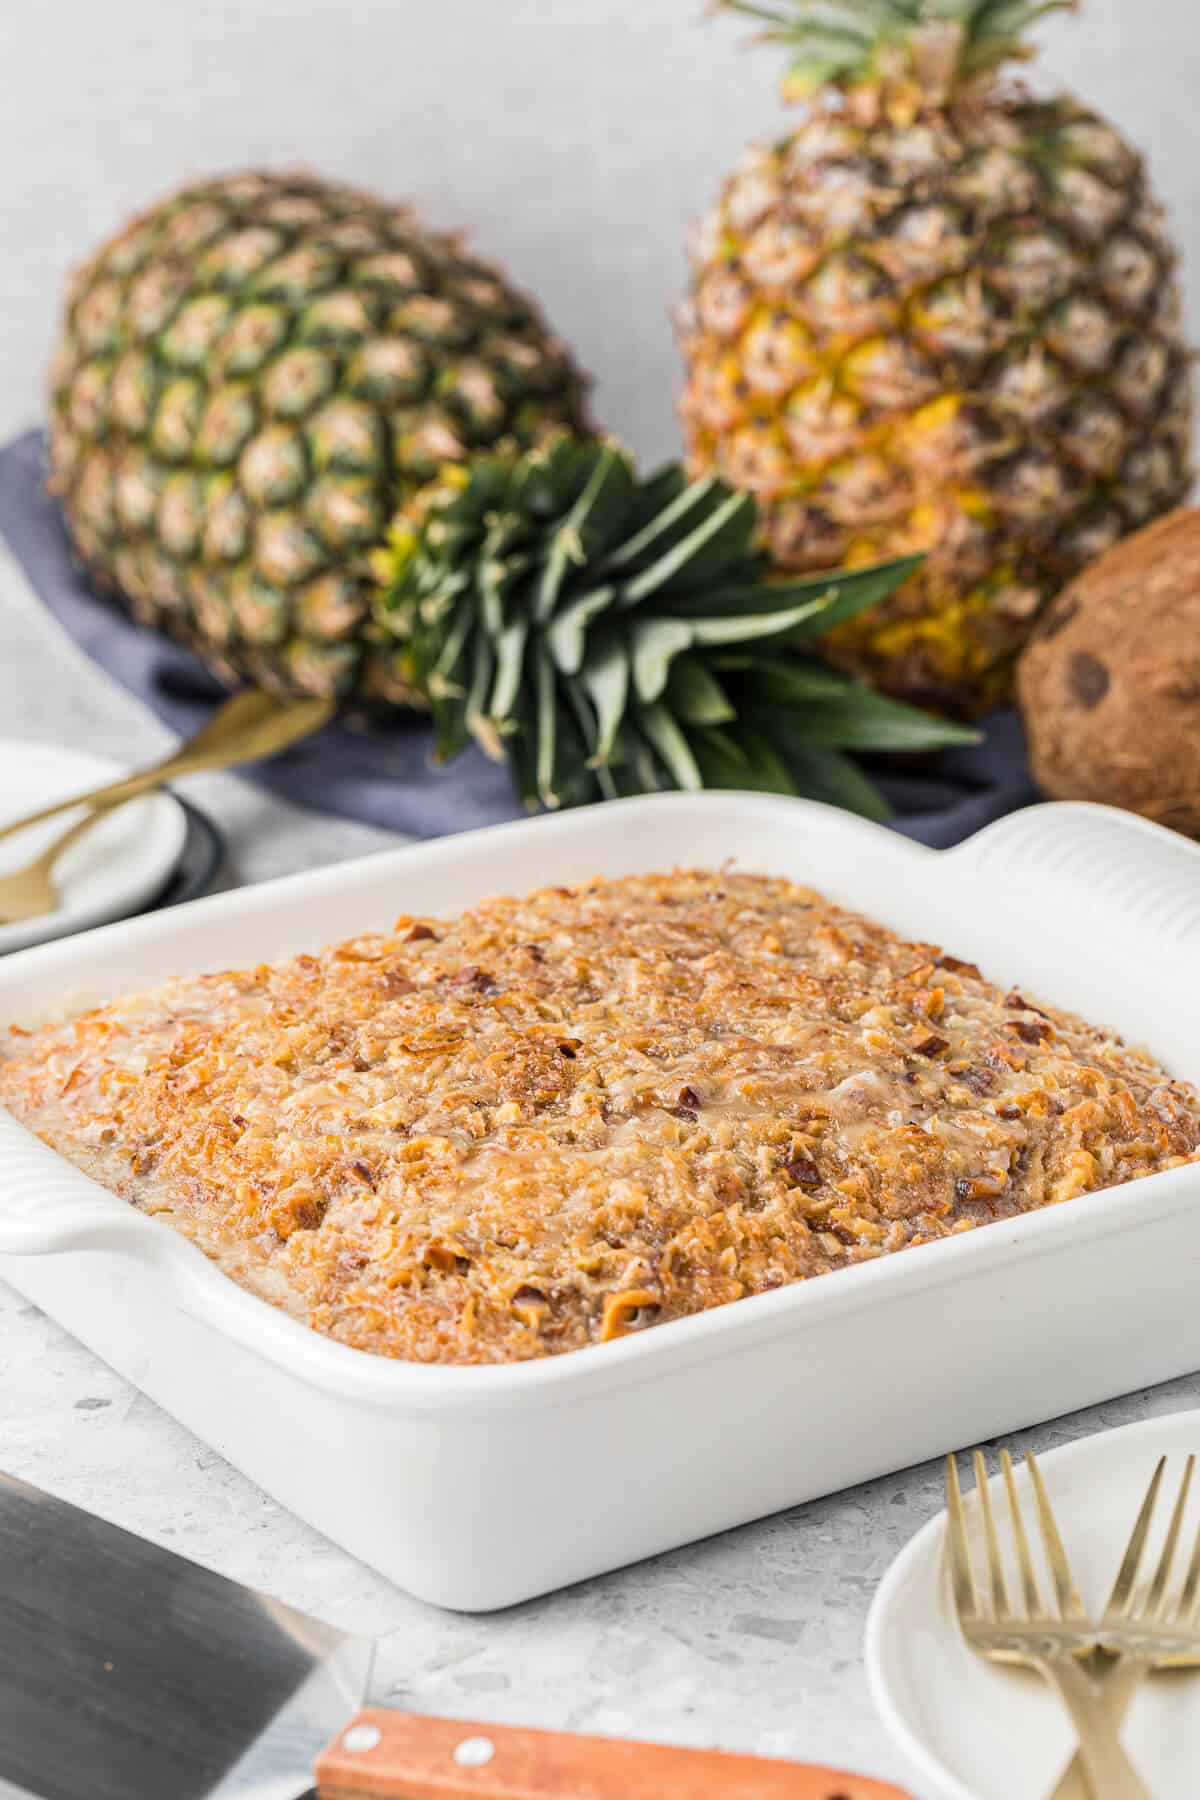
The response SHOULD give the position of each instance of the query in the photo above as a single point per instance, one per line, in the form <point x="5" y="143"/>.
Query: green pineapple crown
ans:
<point x="941" y="45"/>
<point x="608" y="635"/>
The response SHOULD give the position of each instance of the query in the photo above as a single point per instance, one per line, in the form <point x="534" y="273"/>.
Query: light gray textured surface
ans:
<point x="572" y="139"/>
<point x="750" y="1641"/>
<point x="574" y="142"/>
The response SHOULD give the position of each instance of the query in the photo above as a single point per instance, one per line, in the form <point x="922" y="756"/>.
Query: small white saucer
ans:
<point x="975" y="1732"/>
<point x="110" y="872"/>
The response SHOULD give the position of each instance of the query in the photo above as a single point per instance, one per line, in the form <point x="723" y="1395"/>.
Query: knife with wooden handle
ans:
<point x="397" y="1756"/>
<point x="129" y="1673"/>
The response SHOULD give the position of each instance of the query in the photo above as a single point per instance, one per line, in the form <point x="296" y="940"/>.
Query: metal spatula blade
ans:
<point x="126" y="1670"/>
<point x="127" y="1673"/>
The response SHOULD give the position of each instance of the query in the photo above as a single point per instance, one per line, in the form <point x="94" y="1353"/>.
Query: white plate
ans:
<point x="980" y="1733"/>
<point x="113" y="869"/>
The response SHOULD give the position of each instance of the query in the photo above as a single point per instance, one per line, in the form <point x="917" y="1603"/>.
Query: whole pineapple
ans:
<point x="253" y="377"/>
<point x="940" y="316"/>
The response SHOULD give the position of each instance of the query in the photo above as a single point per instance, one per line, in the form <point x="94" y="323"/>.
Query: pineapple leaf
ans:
<point x="655" y="644"/>
<point x="851" y="592"/>
<point x="658" y="490"/>
<point x="695" y="696"/>
<point x="587" y="529"/>
<point x="566" y="635"/>
<point x="672" y="746"/>
<point x="742" y="760"/>
<point x="667" y="525"/>
<point x="751" y="9"/>
<point x="759" y="598"/>
<point x="451" y="733"/>
<point x="498" y="572"/>
<point x="830" y="597"/>
<point x="455" y="643"/>
<point x="510" y="657"/>
<point x="808" y="680"/>
<point x="605" y="679"/>
<point x="837" y="41"/>
<point x="863" y="20"/>
<point x="705" y="554"/>
<point x="641" y="772"/>
<point x="848" y="716"/>
<point x="745" y="627"/>
<point x="828" y="55"/>
<point x="546" y="731"/>
<point x="1008" y="19"/>
<point x="581" y="777"/>
<point x="827" y="775"/>
<point x="521" y="751"/>
<point x="474" y="714"/>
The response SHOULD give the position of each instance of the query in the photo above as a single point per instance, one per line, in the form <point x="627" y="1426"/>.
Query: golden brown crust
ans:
<point x="557" y="1119"/>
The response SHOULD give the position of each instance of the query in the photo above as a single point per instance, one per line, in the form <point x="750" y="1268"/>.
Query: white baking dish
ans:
<point x="475" y="1488"/>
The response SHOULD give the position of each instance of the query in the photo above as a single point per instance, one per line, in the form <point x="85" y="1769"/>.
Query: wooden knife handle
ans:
<point x="399" y="1756"/>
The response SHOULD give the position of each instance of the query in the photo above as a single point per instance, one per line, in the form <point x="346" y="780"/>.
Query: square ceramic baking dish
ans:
<point x="477" y="1487"/>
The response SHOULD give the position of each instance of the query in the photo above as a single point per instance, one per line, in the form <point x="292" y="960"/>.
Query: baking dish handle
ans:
<point x="79" y="1227"/>
<point x="1100" y="860"/>
<point x="46" y="1205"/>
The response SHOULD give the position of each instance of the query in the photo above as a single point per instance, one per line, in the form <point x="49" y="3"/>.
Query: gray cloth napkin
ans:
<point x="382" y="773"/>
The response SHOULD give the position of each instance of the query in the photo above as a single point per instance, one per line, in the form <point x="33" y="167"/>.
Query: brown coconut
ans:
<point x="1109" y="684"/>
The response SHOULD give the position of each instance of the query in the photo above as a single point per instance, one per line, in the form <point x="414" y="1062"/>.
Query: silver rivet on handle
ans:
<point x="474" y="1752"/>
<point x="361" y="1737"/>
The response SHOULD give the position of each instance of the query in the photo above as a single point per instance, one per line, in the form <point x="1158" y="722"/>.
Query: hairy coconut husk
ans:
<point x="1110" y="683"/>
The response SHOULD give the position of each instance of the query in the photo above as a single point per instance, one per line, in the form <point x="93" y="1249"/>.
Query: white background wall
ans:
<point x="573" y="139"/>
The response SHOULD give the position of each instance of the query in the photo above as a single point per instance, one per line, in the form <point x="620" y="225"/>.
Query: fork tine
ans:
<point x="995" y="1561"/>
<point x="1029" y="1582"/>
<point x="1187" y="1609"/>
<point x="1070" y="1606"/>
<point x="961" y="1577"/>
<point x="1121" y="1598"/>
<point x="1155" y="1599"/>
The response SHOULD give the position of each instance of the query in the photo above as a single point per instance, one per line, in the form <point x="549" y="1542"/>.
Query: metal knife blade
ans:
<point x="126" y="1670"/>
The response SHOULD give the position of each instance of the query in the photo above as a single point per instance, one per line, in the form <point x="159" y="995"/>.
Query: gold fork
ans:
<point x="246" y="728"/>
<point x="1141" y="1630"/>
<point x="30" y="893"/>
<point x="1055" y="1643"/>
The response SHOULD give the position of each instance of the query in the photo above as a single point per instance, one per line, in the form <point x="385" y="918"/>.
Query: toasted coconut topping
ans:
<point x="557" y="1120"/>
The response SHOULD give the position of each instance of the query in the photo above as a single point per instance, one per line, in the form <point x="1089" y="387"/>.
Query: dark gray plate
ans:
<point x="199" y="861"/>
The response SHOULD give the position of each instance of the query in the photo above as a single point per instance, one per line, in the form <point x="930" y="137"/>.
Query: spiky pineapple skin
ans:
<point x="253" y="377"/>
<point x="958" y="332"/>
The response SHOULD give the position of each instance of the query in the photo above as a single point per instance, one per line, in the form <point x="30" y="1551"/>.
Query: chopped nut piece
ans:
<point x="473" y="977"/>
<point x="981" y="1187"/>
<point x="1022" y="1005"/>
<point x="394" y="981"/>
<point x="958" y="966"/>
<point x="620" y="1311"/>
